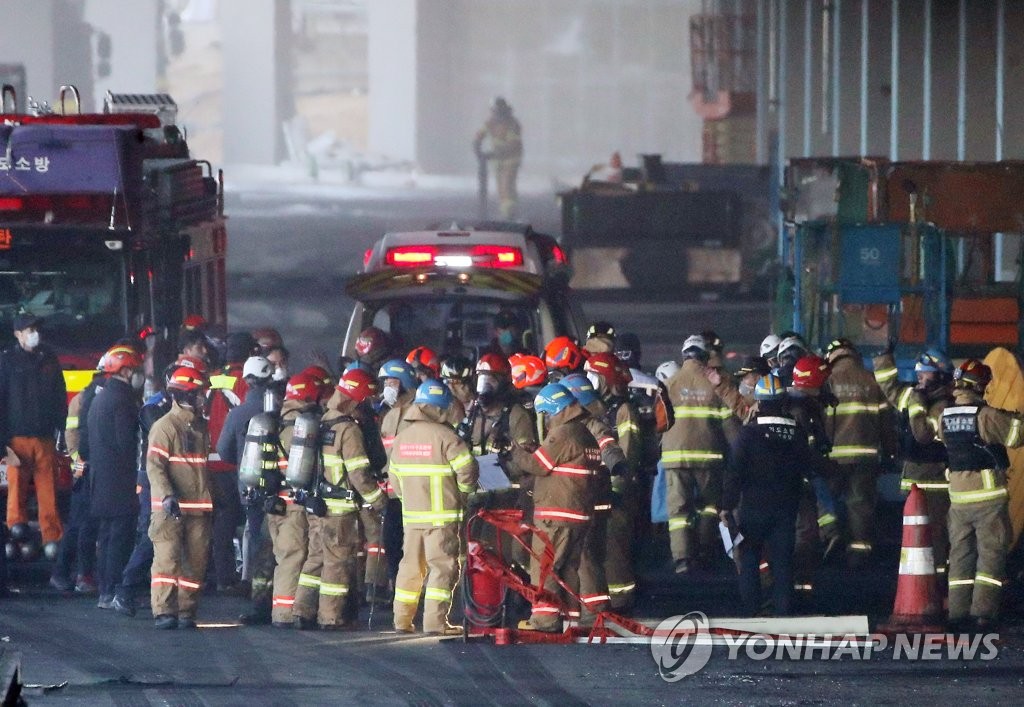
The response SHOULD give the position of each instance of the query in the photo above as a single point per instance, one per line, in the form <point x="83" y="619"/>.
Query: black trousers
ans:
<point x="77" y="553"/>
<point x="136" y="577"/>
<point x="773" y="532"/>
<point x="116" y="538"/>
<point x="227" y="516"/>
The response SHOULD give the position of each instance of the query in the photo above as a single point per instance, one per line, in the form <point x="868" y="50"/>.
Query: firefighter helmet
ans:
<point x="553" y="399"/>
<point x="267" y="338"/>
<point x="837" y="348"/>
<point x="770" y="346"/>
<point x="371" y="343"/>
<point x="186" y="379"/>
<point x="792" y="349"/>
<point x="712" y="339"/>
<point x="527" y="370"/>
<point x="627" y="348"/>
<point x="810" y="372"/>
<point x="581" y="388"/>
<point x="606" y="365"/>
<point x="666" y="370"/>
<point x="399" y="370"/>
<point x="193" y="322"/>
<point x="424" y="360"/>
<point x="972" y="373"/>
<point x="433" y="392"/>
<point x="934" y="361"/>
<point x="563" y="353"/>
<point x="303" y="386"/>
<point x="357" y="384"/>
<point x="769" y="387"/>
<point x="457" y="367"/>
<point x="754" y="364"/>
<point x="259" y="368"/>
<point x="121" y="357"/>
<point x="322" y="376"/>
<point x="196" y="364"/>
<point x="695" y="346"/>
<point x="494" y="364"/>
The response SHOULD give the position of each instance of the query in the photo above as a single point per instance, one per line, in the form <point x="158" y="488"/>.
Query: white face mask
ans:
<point x="138" y="380"/>
<point x="280" y="373"/>
<point x="32" y="340"/>
<point x="595" y="380"/>
<point x="746" y="390"/>
<point x="390" y="396"/>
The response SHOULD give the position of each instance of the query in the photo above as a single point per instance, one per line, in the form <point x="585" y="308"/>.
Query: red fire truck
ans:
<point x="108" y="228"/>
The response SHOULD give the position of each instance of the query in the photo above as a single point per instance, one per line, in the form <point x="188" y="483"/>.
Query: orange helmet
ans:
<point x="424" y="360"/>
<point x="120" y="357"/>
<point x="810" y="372"/>
<point x="187" y="379"/>
<point x="562" y="352"/>
<point x="609" y="367"/>
<point x="494" y="364"/>
<point x="357" y="384"/>
<point x="527" y="370"/>
<point x="303" y="386"/>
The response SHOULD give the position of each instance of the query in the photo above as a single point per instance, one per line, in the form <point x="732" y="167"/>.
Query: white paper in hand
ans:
<point x="12" y="458"/>
<point x="728" y="541"/>
<point x="492" y="476"/>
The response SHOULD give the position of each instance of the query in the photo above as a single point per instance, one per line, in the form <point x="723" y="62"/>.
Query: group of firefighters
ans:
<point x="354" y="488"/>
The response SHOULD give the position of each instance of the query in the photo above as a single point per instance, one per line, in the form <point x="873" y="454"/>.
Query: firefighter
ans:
<point x="289" y="533"/>
<point x="425" y="362"/>
<point x="919" y="413"/>
<point x="495" y="419"/>
<point x="791" y="349"/>
<point x="328" y="581"/>
<point x="769" y="349"/>
<point x="182" y="503"/>
<point x="610" y="379"/>
<point x="859" y="426"/>
<point x="508" y="334"/>
<point x="693" y="455"/>
<point x="562" y="356"/>
<point x="528" y="376"/>
<point x="976" y="436"/>
<point x="737" y="391"/>
<point x="564" y="466"/>
<point x="432" y="471"/>
<point x="457" y="374"/>
<point x="761" y="493"/>
<point x="228" y="389"/>
<point x="33" y="410"/>
<point x="600" y="338"/>
<point x="372" y="347"/>
<point x="505" y="137"/>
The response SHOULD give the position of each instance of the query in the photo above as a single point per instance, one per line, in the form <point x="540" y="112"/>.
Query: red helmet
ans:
<point x="267" y="337"/>
<point x="303" y="386"/>
<point x="562" y="352"/>
<point x="527" y="370"/>
<point x="187" y="379"/>
<point x="371" y="343"/>
<point x="609" y="367"/>
<point x="357" y="384"/>
<point x="120" y="357"/>
<point x="423" y="359"/>
<point x="194" y="321"/>
<point x="494" y="364"/>
<point x="196" y="364"/>
<point x="972" y="373"/>
<point x="810" y="372"/>
<point x="322" y="377"/>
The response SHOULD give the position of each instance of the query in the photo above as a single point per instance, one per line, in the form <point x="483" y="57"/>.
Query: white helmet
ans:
<point x="695" y="341"/>
<point x="257" y="367"/>
<point x="666" y="370"/>
<point x="770" y="346"/>
<point x="789" y="343"/>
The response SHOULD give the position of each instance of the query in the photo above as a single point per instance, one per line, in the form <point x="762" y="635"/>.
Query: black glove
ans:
<point x="620" y="469"/>
<point x="171" y="507"/>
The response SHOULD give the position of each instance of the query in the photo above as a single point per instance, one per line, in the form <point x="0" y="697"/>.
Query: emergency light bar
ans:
<point x="481" y="256"/>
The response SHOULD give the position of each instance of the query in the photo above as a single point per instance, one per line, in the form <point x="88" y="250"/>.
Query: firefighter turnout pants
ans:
<point x="290" y="535"/>
<point x="593" y="582"/>
<point x="618" y="564"/>
<point x="375" y="569"/>
<point x="692" y="498"/>
<point x="38" y="458"/>
<point x="854" y="485"/>
<point x="328" y="577"/>
<point x="979" y="539"/>
<point x="430" y="563"/>
<point x="567" y="542"/>
<point x="180" y="551"/>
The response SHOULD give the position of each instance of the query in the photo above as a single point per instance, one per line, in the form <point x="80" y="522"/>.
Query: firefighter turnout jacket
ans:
<point x="857" y="424"/>
<point x="431" y="469"/>
<point x="347" y="469"/>
<point x="698" y="437"/>
<point x="976" y="436"/>
<point x="176" y="461"/>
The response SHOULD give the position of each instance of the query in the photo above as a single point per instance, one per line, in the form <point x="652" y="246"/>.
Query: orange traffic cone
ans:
<point x="918" y="608"/>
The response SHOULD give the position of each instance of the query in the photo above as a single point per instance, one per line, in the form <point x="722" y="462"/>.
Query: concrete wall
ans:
<point x="585" y="77"/>
<point x="27" y="38"/>
<point x="133" y="28"/>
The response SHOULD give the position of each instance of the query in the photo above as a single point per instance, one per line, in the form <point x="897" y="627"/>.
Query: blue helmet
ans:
<point x="360" y="365"/>
<point x="769" y="387"/>
<point x="552" y="399"/>
<point x="934" y="361"/>
<point x="400" y="370"/>
<point x="581" y="388"/>
<point x="433" y="392"/>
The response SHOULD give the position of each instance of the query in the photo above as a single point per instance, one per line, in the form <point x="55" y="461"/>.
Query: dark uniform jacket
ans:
<point x="113" y="442"/>
<point x="33" y="398"/>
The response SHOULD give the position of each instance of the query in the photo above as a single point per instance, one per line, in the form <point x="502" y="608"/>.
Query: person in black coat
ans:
<point x="761" y="494"/>
<point x="113" y="443"/>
